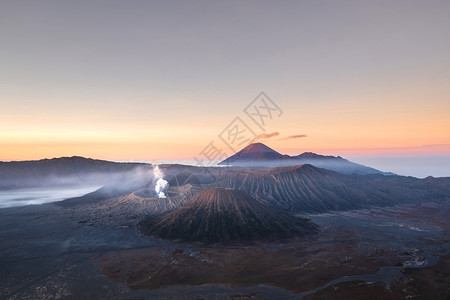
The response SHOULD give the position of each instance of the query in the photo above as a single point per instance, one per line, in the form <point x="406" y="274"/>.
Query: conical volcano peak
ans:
<point x="253" y="152"/>
<point x="259" y="148"/>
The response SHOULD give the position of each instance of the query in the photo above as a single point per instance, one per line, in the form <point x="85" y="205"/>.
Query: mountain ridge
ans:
<point x="308" y="189"/>
<point x="62" y="170"/>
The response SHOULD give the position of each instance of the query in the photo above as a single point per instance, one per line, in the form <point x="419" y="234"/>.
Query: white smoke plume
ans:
<point x="161" y="184"/>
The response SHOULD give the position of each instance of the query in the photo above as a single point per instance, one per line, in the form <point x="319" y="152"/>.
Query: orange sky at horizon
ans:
<point x="148" y="152"/>
<point x="124" y="83"/>
<point x="340" y="126"/>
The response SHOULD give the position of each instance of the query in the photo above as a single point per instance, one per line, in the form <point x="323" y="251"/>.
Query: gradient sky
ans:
<point x="155" y="80"/>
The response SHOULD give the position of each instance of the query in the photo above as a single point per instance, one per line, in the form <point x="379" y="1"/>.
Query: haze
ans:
<point x="39" y="195"/>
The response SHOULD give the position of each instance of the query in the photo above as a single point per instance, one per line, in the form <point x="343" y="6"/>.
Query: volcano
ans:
<point x="221" y="215"/>
<point x="262" y="156"/>
<point x="253" y="152"/>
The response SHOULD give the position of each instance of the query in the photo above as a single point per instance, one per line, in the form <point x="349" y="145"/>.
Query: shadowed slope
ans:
<point x="219" y="215"/>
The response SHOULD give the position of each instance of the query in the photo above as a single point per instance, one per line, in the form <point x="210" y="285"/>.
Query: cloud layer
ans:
<point x="295" y="136"/>
<point x="268" y="135"/>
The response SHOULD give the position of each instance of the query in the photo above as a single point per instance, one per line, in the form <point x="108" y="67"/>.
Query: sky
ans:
<point x="161" y="80"/>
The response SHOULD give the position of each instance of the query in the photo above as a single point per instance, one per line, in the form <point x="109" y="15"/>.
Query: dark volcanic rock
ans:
<point x="220" y="215"/>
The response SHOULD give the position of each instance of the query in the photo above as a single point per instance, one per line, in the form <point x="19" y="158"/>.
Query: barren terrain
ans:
<point x="95" y="251"/>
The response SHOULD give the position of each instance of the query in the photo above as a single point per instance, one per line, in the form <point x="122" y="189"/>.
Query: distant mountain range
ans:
<point x="260" y="155"/>
<point x="294" y="189"/>
<point x="241" y="202"/>
<point x="60" y="171"/>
